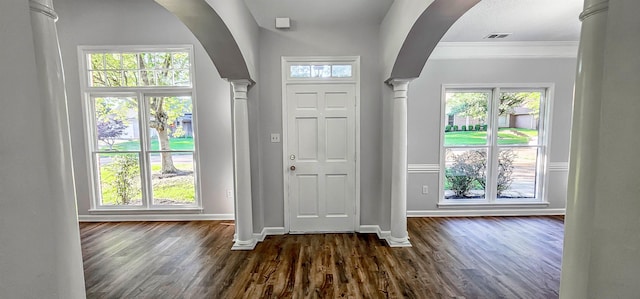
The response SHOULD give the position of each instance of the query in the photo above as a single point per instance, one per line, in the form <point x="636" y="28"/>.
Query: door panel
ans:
<point x="321" y="137"/>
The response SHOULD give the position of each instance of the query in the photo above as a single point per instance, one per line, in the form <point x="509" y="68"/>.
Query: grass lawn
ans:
<point x="177" y="144"/>
<point x="505" y="136"/>
<point x="177" y="189"/>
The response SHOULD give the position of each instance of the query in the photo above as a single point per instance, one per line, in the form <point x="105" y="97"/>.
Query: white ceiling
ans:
<point x="527" y="20"/>
<point x="319" y="12"/>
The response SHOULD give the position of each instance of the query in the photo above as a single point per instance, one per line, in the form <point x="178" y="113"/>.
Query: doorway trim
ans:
<point x="286" y="61"/>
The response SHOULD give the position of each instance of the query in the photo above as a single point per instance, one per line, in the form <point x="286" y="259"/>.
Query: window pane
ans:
<point x="300" y="71"/>
<point x="321" y="71"/>
<point x="517" y="177"/>
<point x="117" y="126"/>
<point x="162" y="60"/>
<point x="130" y="61"/>
<point x="119" y="179"/>
<point x="181" y="60"/>
<point x="113" y="61"/>
<point x="114" y="78"/>
<point x="171" y="123"/>
<point x="173" y="182"/>
<point x="165" y="78"/>
<point x="98" y="79"/>
<point x="96" y="61"/>
<point x="519" y="118"/>
<point x="130" y="78"/>
<point x="467" y="113"/>
<point x="182" y="78"/>
<point x="341" y="71"/>
<point x="465" y="174"/>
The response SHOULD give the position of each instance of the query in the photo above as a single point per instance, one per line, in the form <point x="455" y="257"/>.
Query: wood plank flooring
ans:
<point x="507" y="257"/>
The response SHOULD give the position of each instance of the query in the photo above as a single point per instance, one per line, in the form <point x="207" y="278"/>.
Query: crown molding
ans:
<point x="488" y="50"/>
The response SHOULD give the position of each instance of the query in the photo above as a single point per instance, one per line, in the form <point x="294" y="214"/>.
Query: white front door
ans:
<point x="322" y="149"/>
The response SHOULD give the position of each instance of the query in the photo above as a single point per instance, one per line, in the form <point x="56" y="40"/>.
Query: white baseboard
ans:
<point x="375" y="229"/>
<point x="485" y="212"/>
<point x="154" y="217"/>
<point x="268" y="231"/>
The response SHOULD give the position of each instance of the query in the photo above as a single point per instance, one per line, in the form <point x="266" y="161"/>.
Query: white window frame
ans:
<point x="546" y="108"/>
<point x="141" y="93"/>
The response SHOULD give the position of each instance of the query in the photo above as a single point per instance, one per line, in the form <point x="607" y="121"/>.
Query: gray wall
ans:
<point x="143" y="22"/>
<point x="425" y="119"/>
<point x="359" y="40"/>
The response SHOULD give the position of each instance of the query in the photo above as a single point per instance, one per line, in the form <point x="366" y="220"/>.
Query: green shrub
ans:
<point x="478" y="127"/>
<point x="447" y="128"/>
<point x="467" y="172"/>
<point x="455" y="127"/>
<point x="470" y="128"/>
<point x="505" y="170"/>
<point x="484" y="127"/>
<point x="464" y="128"/>
<point x="125" y="169"/>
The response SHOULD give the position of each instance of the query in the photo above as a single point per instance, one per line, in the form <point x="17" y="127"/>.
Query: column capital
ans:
<point x="44" y="7"/>
<point x="399" y="83"/>
<point x="240" y="88"/>
<point x="400" y="88"/>
<point x="593" y="7"/>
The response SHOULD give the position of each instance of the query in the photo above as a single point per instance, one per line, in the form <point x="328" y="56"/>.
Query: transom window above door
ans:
<point x="494" y="145"/>
<point x="141" y="127"/>
<point x="312" y="70"/>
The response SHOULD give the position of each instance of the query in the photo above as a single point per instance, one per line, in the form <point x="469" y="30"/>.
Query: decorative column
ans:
<point x="583" y="166"/>
<point x="62" y="200"/>
<point x="242" y="168"/>
<point x="399" y="236"/>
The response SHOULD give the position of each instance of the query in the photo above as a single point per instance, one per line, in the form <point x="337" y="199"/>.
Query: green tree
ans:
<point x="468" y="104"/>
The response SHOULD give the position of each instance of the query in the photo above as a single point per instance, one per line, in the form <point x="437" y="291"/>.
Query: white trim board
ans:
<point x="485" y="212"/>
<point x="375" y="229"/>
<point x="423" y="168"/>
<point x="154" y="217"/>
<point x="267" y="231"/>
<point x="558" y="166"/>
<point x="487" y="50"/>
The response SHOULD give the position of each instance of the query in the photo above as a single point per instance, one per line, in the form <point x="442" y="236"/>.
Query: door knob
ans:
<point x="293" y="167"/>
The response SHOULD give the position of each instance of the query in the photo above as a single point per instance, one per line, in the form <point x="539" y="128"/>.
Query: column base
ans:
<point x="398" y="242"/>
<point x="244" y="245"/>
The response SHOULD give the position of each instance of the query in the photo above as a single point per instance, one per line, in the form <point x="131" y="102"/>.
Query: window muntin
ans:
<point x="141" y="120"/>
<point x="493" y="145"/>
<point x="138" y="69"/>
<point x="310" y="71"/>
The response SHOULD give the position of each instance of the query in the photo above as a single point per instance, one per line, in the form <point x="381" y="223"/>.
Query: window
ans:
<point x="493" y="145"/>
<point x="320" y="71"/>
<point x="140" y="115"/>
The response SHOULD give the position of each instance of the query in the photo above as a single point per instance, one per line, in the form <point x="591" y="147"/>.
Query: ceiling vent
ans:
<point x="497" y="35"/>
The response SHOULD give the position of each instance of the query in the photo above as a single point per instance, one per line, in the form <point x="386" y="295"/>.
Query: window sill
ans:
<point x="467" y="205"/>
<point x="129" y="211"/>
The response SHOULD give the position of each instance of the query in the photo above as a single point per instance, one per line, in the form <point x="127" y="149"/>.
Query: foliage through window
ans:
<point x="142" y="136"/>
<point x="320" y="71"/>
<point x="136" y="69"/>
<point x="493" y="144"/>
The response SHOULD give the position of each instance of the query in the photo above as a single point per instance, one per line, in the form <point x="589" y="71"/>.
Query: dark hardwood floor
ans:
<point x="509" y="257"/>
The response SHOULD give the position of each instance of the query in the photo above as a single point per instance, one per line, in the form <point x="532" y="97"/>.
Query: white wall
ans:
<point x="425" y="119"/>
<point x="327" y="41"/>
<point x="143" y="22"/>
